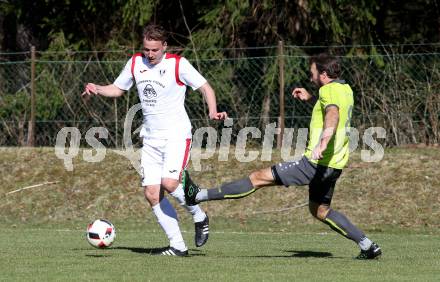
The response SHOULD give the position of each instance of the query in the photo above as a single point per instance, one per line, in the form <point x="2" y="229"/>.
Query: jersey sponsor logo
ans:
<point x="149" y="91"/>
<point x="151" y="81"/>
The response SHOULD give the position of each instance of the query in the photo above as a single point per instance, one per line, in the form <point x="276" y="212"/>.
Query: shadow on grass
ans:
<point x="310" y="254"/>
<point x="197" y="252"/>
<point x="153" y="251"/>
<point x="301" y="254"/>
<point x="97" y="256"/>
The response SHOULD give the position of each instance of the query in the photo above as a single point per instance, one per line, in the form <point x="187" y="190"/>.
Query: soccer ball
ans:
<point x="101" y="233"/>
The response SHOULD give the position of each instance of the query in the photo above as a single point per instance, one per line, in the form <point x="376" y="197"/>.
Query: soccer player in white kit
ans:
<point x="161" y="81"/>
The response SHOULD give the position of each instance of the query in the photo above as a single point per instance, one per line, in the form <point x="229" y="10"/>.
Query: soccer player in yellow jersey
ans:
<point x="320" y="167"/>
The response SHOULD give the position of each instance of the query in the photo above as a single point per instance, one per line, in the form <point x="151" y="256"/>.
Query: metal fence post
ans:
<point x="31" y="126"/>
<point x="281" y="84"/>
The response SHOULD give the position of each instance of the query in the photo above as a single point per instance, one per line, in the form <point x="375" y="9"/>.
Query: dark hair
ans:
<point x="327" y="63"/>
<point x="155" y="32"/>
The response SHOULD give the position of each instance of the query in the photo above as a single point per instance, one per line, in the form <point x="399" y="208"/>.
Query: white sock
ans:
<point x="365" y="244"/>
<point x="202" y="195"/>
<point x="197" y="213"/>
<point x="167" y="218"/>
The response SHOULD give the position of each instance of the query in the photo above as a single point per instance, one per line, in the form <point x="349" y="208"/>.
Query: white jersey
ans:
<point x="161" y="89"/>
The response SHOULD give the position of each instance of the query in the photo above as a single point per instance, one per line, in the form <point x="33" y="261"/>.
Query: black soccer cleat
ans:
<point x="202" y="232"/>
<point x="373" y="252"/>
<point x="170" y="251"/>
<point x="190" y="189"/>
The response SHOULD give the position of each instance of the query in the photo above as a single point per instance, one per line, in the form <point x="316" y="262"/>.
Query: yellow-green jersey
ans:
<point x="336" y="93"/>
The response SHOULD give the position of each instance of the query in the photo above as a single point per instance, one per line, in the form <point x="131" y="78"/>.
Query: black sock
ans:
<point x="233" y="190"/>
<point x="341" y="224"/>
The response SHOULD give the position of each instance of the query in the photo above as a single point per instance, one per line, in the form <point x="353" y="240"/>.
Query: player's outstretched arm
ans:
<point x="209" y="95"/>
<point x="303" y="95"/>
<point x="110" y="90"/>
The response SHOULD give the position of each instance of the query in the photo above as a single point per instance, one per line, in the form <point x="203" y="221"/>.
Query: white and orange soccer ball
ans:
<point x="101" y="233"/>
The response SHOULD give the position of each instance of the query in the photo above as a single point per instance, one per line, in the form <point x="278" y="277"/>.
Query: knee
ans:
<point x="152" y="195"/>
<point x="255" y="178"/>
<point x="319" y="211"/>
<point x="260" y="178"/>
<point x="169" y="185"/>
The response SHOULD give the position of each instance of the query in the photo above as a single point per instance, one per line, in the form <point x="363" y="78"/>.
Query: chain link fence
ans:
<point x="397" y="90"/>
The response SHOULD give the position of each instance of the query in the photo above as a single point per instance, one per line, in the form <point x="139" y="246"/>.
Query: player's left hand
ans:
<point x="218" y="116"/>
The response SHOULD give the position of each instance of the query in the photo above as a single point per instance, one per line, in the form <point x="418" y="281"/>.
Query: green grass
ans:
<point x="62" y="253"/>
<point x="268" y="236"/>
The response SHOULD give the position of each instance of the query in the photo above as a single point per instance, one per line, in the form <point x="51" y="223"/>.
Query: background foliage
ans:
<point x="233" y="43"/>
<point x="206" y="24"/>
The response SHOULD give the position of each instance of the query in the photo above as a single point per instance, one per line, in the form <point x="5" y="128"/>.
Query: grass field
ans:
<point x="268" y="236"/>
<point x="31" y="253"/>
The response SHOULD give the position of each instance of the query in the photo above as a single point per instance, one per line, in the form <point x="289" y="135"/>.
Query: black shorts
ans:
<point x="321" y="179"/>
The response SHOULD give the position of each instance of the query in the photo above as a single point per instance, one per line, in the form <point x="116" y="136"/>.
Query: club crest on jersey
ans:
<point x="162" y="72"/>
<point x="149" y="91"/>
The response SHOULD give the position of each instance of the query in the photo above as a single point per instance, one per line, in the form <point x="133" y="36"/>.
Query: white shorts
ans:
<point x="163" y="158"/>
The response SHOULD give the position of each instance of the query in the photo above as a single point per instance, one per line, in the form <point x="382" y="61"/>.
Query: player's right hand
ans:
<point x="301" y="94"/>
<point x="90" y="89"/>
